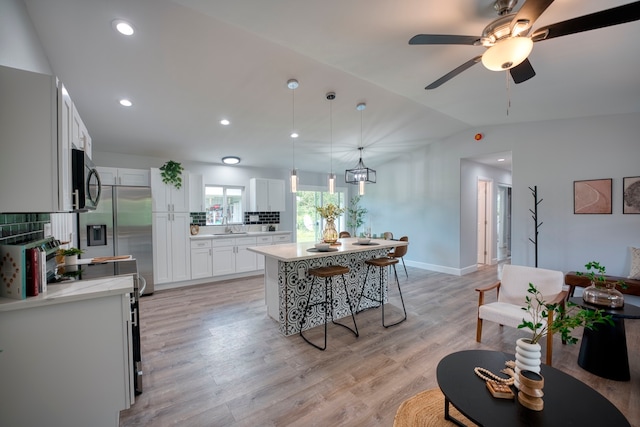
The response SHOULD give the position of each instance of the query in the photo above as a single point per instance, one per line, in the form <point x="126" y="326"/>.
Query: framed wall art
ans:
<point x="592" y="196"/>
<point x="631" y="195"/>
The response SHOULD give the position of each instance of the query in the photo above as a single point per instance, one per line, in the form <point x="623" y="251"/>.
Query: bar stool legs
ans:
<point x="381" y="263"/>
<point x="328" y="273"/>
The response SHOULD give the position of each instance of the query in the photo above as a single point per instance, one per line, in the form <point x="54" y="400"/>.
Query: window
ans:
<point x="308" y="222"/>
<point x="223" y="204"/>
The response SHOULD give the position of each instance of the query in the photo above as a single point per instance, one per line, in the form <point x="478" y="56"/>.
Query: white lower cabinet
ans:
<point x="171" y="251"/>
<point x="230" y="255"/>
<point x="224" y="256"/>
<point x="201" y="259"/>
<point x="66" y="363"/>
<point x="245" y="259"/>
<point x="221" y="256"/>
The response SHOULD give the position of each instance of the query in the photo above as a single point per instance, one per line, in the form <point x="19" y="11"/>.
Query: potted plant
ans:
<point x="563" y="320"/>
<point x="355" y="214"/>
<point x="171" y="173"/>
<point x="71" y="255"/>
<point x="329" y="212"/>
<point x="601" y="292"/>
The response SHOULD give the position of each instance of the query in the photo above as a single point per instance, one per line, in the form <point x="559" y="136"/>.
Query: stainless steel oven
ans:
<point x="90" y="270"/>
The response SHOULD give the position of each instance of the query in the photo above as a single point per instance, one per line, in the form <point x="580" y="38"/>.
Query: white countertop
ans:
<point x="64" y="292"/>
<point x="229" y="235"/>
<point x="296" y="251"/>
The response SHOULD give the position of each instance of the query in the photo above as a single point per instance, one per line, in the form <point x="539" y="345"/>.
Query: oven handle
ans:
<point x="142" y="285"/>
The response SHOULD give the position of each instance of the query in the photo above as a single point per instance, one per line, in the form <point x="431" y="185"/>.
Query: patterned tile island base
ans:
<point x="288" y="285"/>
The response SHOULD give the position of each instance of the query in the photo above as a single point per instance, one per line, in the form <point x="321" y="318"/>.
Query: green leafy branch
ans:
<point x="565" y="320"/>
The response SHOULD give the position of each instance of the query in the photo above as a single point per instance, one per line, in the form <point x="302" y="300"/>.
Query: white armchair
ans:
<point x="511" y="293"/>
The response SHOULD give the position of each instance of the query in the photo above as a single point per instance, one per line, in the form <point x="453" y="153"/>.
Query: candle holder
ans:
<point x="530" y="390"/>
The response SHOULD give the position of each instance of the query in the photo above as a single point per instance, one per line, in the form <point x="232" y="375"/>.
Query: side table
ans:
<point x="603" y="350"/>
<point x="468" y="393"/>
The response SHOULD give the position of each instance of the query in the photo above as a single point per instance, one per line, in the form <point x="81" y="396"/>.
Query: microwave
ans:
<point x="85" y="181"/>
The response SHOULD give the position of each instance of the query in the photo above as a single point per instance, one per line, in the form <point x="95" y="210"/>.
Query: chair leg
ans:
<point x="364" y="285"/>
<point x="405" y="267"/>
<point x="353" y="316"/>
<point x="395" y="272"/>
<point x="326" y="314"/>
<point x="479" y="330"/>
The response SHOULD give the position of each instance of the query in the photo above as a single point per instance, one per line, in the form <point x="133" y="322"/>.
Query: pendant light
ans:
<point x="361" y="174"/>
<point x="332" y="176"/>
<point x="293" y="85"/>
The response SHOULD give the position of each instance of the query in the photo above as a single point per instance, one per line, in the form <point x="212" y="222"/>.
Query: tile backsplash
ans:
<point x="250" y="218"/>
<point x="18" y="228"/>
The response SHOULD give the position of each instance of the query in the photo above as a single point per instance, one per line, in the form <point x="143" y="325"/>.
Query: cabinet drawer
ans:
<point x="264" y="239"/>
<point x="245" y="240"/>
<point x="228" y="241"/>
<point x="281" y="238"/>
<point x="195" y="244"/>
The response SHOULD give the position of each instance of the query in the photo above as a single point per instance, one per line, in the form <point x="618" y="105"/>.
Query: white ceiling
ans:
<point x="193" y="62"/>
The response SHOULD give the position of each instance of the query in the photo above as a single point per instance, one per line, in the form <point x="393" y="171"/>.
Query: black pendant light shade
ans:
<point x="360" y="173"/>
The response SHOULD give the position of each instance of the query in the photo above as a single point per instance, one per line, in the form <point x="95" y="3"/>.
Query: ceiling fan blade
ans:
<point x="522" y="72"/>
<point x="453" y="73"/>
<point x="529" y="13"/>
<point x="443" y="39"/>
<point x="606" y="18"/>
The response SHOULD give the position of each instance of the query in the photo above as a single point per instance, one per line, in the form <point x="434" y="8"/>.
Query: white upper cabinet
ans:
<point x="124" y="176"/>
<point x="266" y="195"/>
<point x="80" y="135"/>
<point x="196" y="187"/>
<point x="30" y="179"/>
<point x="167" y="198"/>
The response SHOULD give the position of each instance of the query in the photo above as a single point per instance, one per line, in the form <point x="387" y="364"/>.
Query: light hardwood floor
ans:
<point x="212" y="357"/>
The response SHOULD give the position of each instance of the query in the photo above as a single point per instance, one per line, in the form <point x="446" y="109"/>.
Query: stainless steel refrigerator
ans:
<point x="121" y="225"/>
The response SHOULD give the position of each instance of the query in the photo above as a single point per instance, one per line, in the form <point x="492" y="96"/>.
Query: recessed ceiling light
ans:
<point x="231" y="160"/>
<point x="225" y="122"/>
<point x="501" y="160"/>
<point x="123" y="27"/>
<point x="125" y="103"/>
<point x="294" y="134"/>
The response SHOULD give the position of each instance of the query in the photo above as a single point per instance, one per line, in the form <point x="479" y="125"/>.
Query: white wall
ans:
<point x="420" y="195"/>
<point x="19" y="44"/>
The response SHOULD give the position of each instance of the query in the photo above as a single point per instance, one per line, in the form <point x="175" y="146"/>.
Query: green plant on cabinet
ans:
<point x="171" y="173"/>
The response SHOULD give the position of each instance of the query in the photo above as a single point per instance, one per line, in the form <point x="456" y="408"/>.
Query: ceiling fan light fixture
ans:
<point x="507" y="53"/>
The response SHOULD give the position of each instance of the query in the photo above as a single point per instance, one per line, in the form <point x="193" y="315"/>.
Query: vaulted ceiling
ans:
<point x="193" y="62"/>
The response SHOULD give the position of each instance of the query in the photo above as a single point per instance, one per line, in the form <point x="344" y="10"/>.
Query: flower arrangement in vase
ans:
<point x="601" y="292"/>
<point x="330" y="212"/>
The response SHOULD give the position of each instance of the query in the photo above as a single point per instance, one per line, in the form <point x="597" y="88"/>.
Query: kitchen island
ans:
<point x="287" y="283"/>
<point x="66" y="355"/>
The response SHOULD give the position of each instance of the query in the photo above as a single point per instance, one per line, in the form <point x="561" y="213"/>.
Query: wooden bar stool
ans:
<point x="382" y="263"/>
<point x="328" y="272"/>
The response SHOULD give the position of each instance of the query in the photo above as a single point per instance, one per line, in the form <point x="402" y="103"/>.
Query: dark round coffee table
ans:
<point x="469" y="394"/>
<point x="603" y="349"/>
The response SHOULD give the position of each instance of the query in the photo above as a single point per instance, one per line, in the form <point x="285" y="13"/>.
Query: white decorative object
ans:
<point x="527" y="358"/>
<point x="71" y="259"/>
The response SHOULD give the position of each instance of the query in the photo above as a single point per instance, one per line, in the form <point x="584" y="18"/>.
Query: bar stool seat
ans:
<point x="327" y="272"/>
<point x="381" y="263"/>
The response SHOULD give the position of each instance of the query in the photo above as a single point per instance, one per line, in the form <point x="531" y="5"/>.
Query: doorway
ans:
<point x="485" y="215"/>
<point x="503" y="221"/>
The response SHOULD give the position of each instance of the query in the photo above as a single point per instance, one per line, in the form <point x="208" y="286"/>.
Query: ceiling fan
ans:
<point x="509" y="38"/>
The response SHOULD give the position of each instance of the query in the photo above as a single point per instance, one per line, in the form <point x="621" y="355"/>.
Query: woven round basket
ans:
<point x="426" y="409"/>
